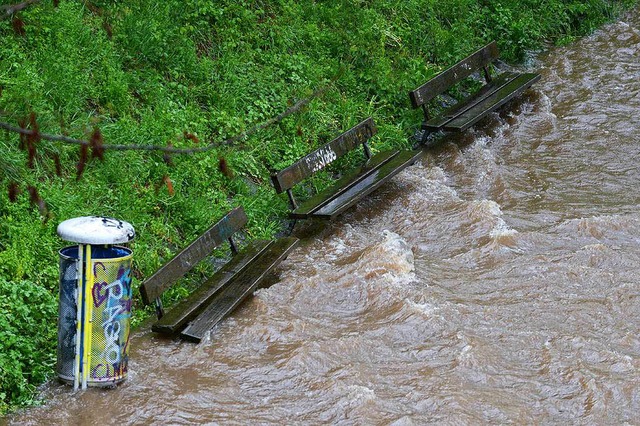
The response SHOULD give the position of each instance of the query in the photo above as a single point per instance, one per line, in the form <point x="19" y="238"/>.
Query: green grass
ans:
<point x="151" y="72"/>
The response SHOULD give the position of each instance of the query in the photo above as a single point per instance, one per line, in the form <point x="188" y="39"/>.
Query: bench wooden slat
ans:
<point x="323" y="156"/>
<point x="454" y="74"/>
<point x="366" y="185"/>
<point x="184" y="261"/>
<point x="238" y="289"/>
<point x="495" y="100"/>
<point x="470" y="101"/>
<point x="190" y="307"/>
<point x="341" y="185"/>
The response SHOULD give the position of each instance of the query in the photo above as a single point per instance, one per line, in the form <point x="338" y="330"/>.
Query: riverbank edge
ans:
<point x="172" y="199"/>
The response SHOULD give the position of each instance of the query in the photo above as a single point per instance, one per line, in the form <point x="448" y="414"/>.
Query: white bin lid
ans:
<point x="96" y="230"/>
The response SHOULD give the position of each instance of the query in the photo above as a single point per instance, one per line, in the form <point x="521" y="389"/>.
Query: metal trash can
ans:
<point x="95" y="302"/>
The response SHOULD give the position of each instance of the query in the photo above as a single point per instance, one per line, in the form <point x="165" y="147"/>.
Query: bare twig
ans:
<point x="169" y="149"/>
<point x="8" y="10"/>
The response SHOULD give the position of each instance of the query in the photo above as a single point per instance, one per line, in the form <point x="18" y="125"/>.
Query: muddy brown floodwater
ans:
<point x="496" y="282"/>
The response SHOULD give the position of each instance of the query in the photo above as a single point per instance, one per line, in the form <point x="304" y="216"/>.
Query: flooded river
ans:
<point x="496" y="282"/>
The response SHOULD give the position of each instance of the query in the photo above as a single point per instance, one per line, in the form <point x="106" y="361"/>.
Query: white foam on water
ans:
<point x="614" y="230"/>
<point x="360" y="394"/>
<point x="403" y="421"/>
<point x="428" y="309"/>
<point x="391" y="258"/>
<point x="502" y="230"/>
<point x="489" y="210"/>
<point x="465" y="357"/>
<point x="431" y="183"/>
<point x="484" y="209"/>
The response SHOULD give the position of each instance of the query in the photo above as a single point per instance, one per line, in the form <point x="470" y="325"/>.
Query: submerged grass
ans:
<point x="192" y="72"/>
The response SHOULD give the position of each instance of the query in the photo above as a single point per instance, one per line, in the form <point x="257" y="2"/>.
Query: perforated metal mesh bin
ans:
<point x="95" y="302"/>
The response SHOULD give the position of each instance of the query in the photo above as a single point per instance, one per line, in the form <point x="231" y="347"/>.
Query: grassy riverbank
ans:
<point x="193" y="73"/>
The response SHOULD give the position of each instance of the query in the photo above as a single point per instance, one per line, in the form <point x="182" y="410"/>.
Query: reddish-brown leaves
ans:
<point x="32" y="140"/>
<point x="82" y="161"/>
<point x="193" y="138"/>
<point x="14" y="191"/>
<point x="224" y="168"/>
<point x="94" y="9"/>
<point x="167" y="181"/>
<point x="107" y="29"/>
<point x="36" y="200"/>
<point x="56" y="160"/>
<point x="23" y="138"/>
<point x="97" y="151"/>
<point x="34" y="197"/>
<point x="28" y="142"/>
<point x="18" y="26"/>
<point x="96" y="141"/>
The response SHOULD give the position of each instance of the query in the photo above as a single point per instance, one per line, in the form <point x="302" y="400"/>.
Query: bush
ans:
<point x="28" y="318"/>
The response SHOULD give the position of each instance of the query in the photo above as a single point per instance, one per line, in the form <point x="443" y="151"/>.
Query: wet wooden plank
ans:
<point x="342" y="184"/>
<point x="454" y="74"/>
<point x="492" y="102"/>
<point x="190" y="307"/>
<point x="184" y="261"/>
<point x="367" y="185"/>
<point x="323" y="156"/>
<point x="470" y="101"/>
<point x="238" y="289"/>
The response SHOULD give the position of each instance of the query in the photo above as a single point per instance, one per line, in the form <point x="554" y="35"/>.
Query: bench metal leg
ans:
<point x="292" y="200"/>
<point x="367" y="151"/>
<point x="487" y="75"/>
<point x="425" y="110"/>
<point x="234" y="248"/>
<point x="159" y="308"/>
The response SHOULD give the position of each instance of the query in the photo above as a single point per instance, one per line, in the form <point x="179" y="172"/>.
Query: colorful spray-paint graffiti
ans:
<point x="111" y="318"/>
<point x="110" y="295"/>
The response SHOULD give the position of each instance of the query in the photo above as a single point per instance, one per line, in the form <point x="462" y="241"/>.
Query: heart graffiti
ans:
<point x="100" y="293"/>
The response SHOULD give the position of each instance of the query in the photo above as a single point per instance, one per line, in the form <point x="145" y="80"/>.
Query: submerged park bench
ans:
<point x="496" y="92"/>
<point x="224" y="290"/>
<point x="351" y="187"/>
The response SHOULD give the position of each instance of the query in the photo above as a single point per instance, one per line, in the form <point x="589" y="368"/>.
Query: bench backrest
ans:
<point x="325" y="155"/>
<point x="183" y="262"/>
<point x="452" y="75"/>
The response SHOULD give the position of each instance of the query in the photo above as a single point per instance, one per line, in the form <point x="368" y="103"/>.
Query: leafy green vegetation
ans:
<point x="193" y="72"/>
<point x="28" y="340"/>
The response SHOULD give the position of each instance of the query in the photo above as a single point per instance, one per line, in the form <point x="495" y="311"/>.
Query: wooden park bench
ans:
<point x="496" y="92"/>
<point x="351" y="187"/>
<point x="224" y="290"/>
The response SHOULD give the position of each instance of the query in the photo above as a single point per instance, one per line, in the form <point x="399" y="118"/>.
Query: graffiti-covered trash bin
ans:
<point x="95" y="302"/>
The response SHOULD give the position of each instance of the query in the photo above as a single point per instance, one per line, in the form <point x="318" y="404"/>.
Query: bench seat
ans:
<point x="353" y="185"/>
<point x="242" y="285"/>
<point x="497" y="91"/>
<point x="474" y="108"/>
<point x="190" y="307"/>
<point x="221" y="293"/>
<point x="357" y="184"/>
